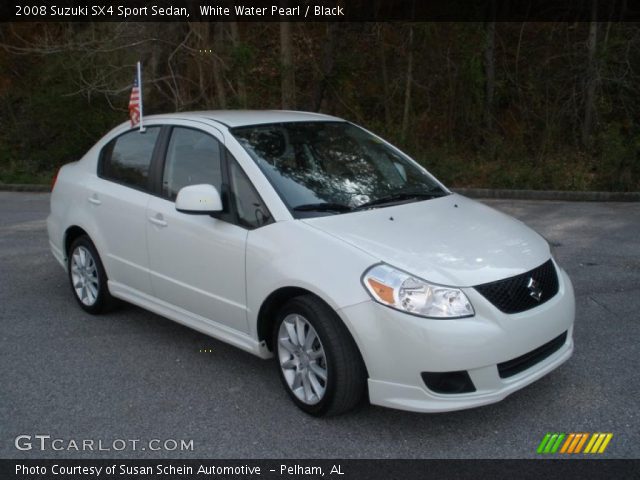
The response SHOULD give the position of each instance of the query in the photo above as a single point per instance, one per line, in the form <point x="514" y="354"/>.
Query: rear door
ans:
<point x="118" y="201"/>
<point x="197" y="262"/>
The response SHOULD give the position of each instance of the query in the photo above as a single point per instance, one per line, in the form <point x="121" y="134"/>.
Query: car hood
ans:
<point x="450" y="240"/>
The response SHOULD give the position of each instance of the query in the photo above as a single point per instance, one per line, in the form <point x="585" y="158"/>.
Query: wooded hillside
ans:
<point x="514" y="105"/>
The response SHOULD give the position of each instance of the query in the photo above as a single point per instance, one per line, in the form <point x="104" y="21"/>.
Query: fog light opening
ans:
<point x="448" y="382"/>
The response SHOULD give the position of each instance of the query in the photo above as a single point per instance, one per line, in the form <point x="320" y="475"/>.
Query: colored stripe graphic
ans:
<point x="581" y="443"/>
<point x="604" y="445"/>
<point x="573" y="443"/>
<point x="567" y="442"/>
<point x="555" y="447"/>
<point x="550" y="443"/>
<point x="576" y="439"/>
<point x="591" y="443"/>
<point x="598" y="443"/>
<point x="543" y="443"/>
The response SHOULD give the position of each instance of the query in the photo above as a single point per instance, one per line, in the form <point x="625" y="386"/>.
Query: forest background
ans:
<point x="547" y="106"/>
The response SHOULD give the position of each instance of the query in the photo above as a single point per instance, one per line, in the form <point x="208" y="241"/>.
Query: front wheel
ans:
<point x="319" y="363"/>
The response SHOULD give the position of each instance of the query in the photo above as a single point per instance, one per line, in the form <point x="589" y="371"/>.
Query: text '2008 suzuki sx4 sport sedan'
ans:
<point x="306" y="238"/>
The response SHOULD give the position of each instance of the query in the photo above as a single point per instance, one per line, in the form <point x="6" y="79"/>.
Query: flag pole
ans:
<point x="140" y="90"/>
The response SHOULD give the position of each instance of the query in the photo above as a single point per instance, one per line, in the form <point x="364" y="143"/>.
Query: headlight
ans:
<point x="399" y="290"/>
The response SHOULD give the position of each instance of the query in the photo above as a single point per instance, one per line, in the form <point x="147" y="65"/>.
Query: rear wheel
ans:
<point x="88" y="278"/>
<point x="319" y="363"/>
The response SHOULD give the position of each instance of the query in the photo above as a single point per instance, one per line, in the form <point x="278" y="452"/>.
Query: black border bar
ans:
<point x="319" y="10"/>
<point x="575" y="468"/>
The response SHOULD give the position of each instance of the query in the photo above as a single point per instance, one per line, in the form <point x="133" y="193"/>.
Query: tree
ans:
<point x="218" y="66"/>
<point x="240" y="73"/>
<point x="326" y="65"/>
<point x="591" y="77"/>
<point x="386" y="93"/>
<point x="407" y="88"/>
<point x="490" y="73"/>
<point x="288" y="85"/>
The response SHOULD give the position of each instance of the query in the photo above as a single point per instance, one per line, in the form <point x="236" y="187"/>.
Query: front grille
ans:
<point x="528" y="360"/>
<point x="515" y="294"/>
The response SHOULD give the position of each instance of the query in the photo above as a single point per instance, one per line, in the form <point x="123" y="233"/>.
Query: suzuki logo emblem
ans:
<point x="534" y="289"/>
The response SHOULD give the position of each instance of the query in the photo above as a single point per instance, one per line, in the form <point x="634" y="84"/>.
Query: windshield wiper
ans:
<point x="400" y="197"/>
<point x="323" y="207"/>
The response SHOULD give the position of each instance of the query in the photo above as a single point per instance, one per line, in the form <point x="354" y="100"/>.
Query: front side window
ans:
<point x="193" y="157"/>
<point x="127" y="158"/>
<point x="333" y="167"/>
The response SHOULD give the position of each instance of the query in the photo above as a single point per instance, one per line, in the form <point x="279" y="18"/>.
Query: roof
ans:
<point x="238" y="118"/>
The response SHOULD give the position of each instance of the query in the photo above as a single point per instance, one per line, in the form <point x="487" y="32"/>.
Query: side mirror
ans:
<point x="199" y="199"/>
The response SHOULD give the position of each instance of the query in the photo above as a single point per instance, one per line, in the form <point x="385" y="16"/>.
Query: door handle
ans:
<point x="158" y="220"/>
<point x="94" y="199"/>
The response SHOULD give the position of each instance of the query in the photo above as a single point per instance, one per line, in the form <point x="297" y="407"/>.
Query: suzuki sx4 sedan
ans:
<point x="308" y="239"/>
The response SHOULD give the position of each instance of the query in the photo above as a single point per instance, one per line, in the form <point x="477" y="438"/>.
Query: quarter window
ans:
<point x="252" y="212"/>
<point x="127" y="158"/>
<point x="193" y="157"/>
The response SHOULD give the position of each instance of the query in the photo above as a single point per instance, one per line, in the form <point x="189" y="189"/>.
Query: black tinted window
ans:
<point x="127" y="158"/>
<point x="252" y="212"/>
<point x="193" y="157"/>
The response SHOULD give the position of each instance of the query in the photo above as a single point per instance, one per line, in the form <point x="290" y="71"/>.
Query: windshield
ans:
<point x="322" y="168"/>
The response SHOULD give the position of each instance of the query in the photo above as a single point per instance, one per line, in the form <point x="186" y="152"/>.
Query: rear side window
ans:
<point x="193" y="157"/>
<point x="127" y="158"/>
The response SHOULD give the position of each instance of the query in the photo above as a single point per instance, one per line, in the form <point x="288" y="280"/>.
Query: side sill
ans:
<point x="191" y="320"/>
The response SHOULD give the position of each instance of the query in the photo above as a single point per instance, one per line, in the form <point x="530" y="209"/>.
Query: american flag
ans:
<point x="134" y="103"/>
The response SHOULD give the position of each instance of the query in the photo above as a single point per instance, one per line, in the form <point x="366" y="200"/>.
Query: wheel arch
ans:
<point x="70" y="235"/>
<point x="269" y="308"/>
<point x="275" y="300"/>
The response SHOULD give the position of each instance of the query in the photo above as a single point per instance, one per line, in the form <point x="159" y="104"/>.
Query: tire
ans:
<point x="332" y="352"/>
<point x="87" y="277"/>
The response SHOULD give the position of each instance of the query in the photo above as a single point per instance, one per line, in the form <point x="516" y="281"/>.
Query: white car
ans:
<point x="306" y="238"/>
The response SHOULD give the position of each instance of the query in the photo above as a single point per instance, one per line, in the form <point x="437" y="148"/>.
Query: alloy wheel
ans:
<point x="302" y="359"/>
<point x="84" y="276"/>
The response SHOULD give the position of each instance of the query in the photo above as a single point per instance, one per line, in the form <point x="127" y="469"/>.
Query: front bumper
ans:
<point x="398" y="347"/>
